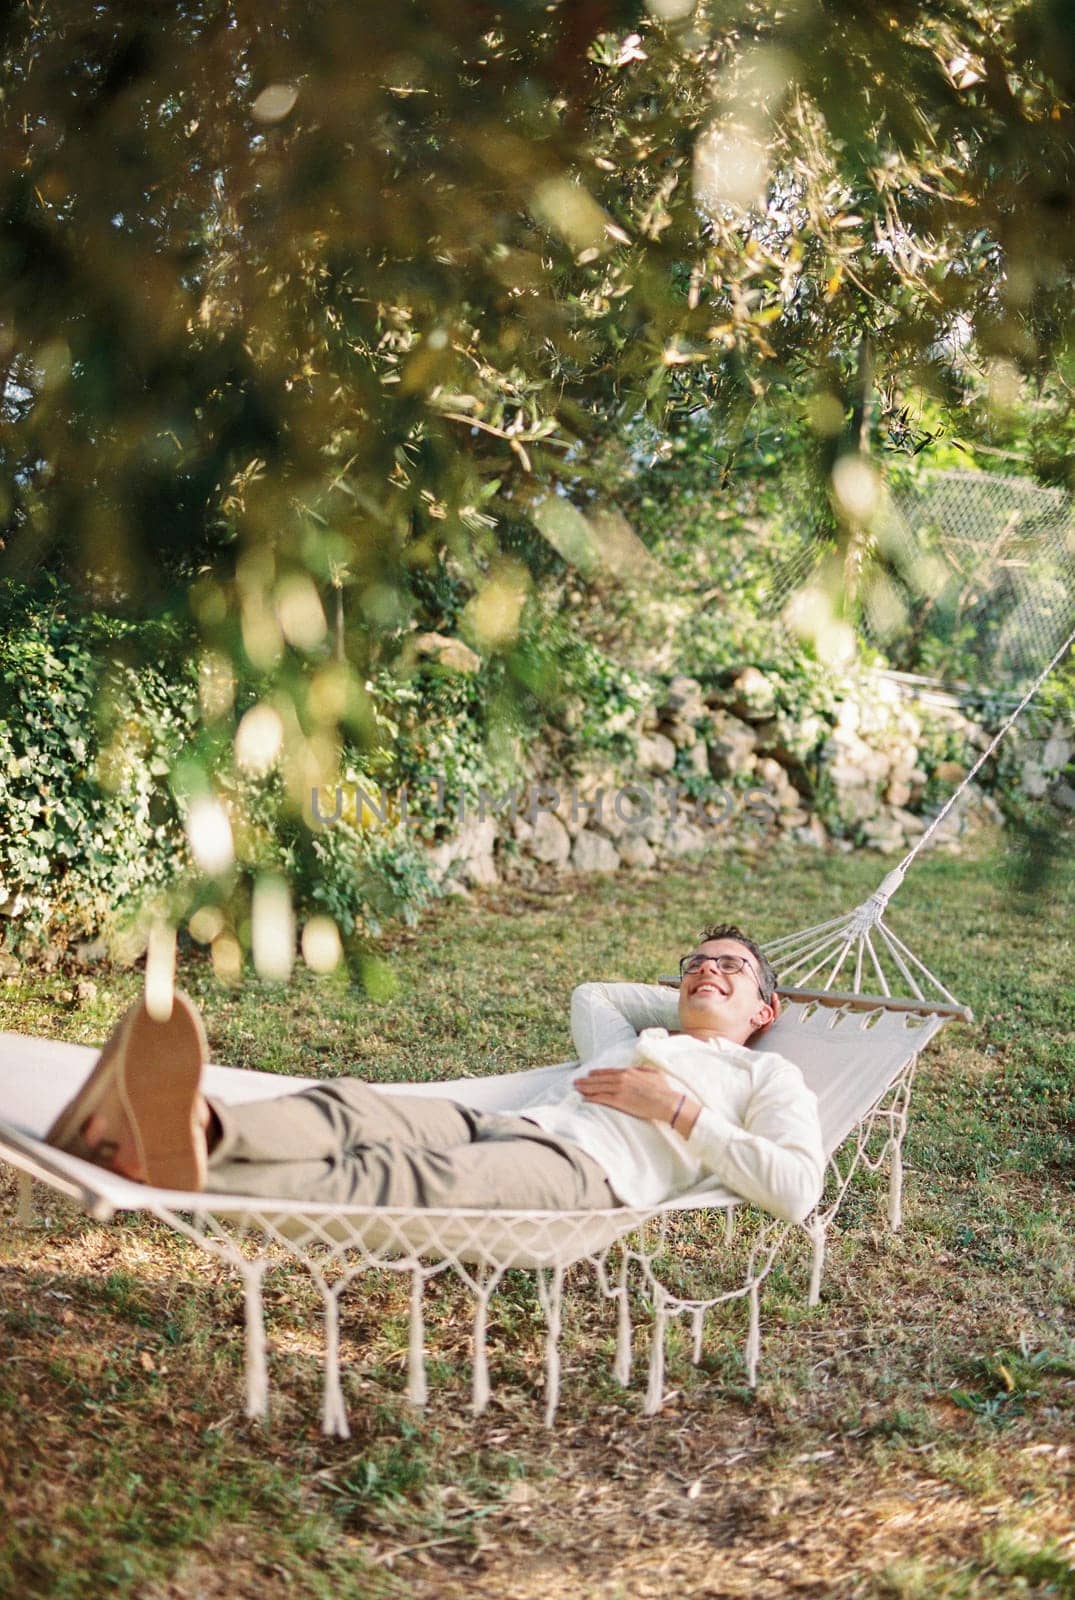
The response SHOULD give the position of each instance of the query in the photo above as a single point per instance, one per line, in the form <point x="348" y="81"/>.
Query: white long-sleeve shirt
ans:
<point x="757" y="1134"/>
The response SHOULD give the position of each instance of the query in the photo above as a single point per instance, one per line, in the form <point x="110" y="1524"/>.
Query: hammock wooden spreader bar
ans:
<point x="837" y="999"/>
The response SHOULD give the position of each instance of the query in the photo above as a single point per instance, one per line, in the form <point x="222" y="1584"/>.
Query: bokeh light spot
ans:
<point x="210" y="836"/>
<point x="856" y="487"/>
<point x="272" y="928"/>
<point x="321" y="947"/>
<point x="274" y="103"/>
<point x="259" y="739"/>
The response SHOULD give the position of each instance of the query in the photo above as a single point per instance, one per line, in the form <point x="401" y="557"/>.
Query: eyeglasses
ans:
<point x="730" y="966"/>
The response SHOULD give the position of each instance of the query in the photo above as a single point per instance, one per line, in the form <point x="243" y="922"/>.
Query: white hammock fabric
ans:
<point x="859" y="1062"/>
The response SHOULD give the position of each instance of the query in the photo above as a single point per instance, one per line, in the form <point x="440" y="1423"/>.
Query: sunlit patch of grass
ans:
<point x="1034" y="1565"/>
<point x="1011" y="1562"/>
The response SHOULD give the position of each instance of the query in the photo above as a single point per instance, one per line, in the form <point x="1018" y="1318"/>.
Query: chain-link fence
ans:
<point x="970" y="576"/>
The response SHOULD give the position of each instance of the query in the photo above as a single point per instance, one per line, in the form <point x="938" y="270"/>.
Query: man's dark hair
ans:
<point x="727" y="930"/>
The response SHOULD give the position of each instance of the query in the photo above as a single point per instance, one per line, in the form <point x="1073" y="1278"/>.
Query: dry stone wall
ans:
<point x="721" y="763"/>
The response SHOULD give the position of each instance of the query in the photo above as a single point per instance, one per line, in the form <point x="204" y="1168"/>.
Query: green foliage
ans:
<point x="600" y="700"/>
<point x="437" y="730"/>
<point x="305" y="356"/>
<point x="319" y="416"/>
<point x="362" y="880"/>
<point x="102" y="731"/>
<point x="1007" y="1382"/>
<point x="86" y="743"/>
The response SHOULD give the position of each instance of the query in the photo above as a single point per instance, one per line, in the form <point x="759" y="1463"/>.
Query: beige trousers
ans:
<point x="343" y="1143"/>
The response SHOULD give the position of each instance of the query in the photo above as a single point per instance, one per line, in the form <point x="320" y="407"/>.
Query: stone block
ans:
<point x="637" y="852"/>
<point x="911" y="824"/>
<point x="771" y="772"/>
<point x="682" y="734"/>
<point x="468" y="856"/>
<point x="848" y="716"/>
<point x="952" y="772"/>
<point x="549" y="840"/>
<point x="791" y="740"/>
<point x="656" y="753"/>
<point x="521" y="830"/>
<point x="653" y="828"/>
<point x="447" y="652"/>
<point x="593" y="853"/>
<point x="732" y="746"/>
<point x="858" y="805"/>
<point x="685" y="839"/>
<point x="1033" y="781"/>
<point x="1056" y="752"/>
<point x="684" y="692"/>
<point x="752" y="695"/>
<point x="627" y="809"/>
<point x="884" y="834"/>
<point x="812" y="832"/>
<point x="698" y="759"/>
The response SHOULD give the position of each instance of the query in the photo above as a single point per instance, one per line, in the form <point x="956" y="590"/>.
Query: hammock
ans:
<point x="858" y="1058"/>
<point x="857" y="1051"/>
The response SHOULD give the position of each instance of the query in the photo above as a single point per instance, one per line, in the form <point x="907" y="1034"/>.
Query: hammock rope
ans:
<point x="802" y="955"/>
<point x="985" y="755"/>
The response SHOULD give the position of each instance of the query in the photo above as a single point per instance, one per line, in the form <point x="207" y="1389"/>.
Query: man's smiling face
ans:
<point x="728" y="1005"/>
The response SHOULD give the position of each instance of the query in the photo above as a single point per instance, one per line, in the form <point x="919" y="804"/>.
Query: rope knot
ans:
<point x="870" y="912"/>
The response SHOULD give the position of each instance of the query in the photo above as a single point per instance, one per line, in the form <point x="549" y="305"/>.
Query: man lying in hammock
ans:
<point x="646" y="1115"/>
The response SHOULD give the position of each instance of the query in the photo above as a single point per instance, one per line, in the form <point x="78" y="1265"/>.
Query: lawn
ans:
<point x="911" y="1436"/>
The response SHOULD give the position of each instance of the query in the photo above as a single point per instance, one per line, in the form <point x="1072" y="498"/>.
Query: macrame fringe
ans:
<point x="480" y="1388"/>
<point x="551" y="1294"/>
<point x="417" y="1392"/>
<point x="333" y="1411"/>
<point x="621" y="1368"/>
<point x="895" y="1187"/>
<point x="257" y="1374"/>
<point x="753" y="1347"/>
<point x="817" y="1262"/>
<point x="655" y="1387"/>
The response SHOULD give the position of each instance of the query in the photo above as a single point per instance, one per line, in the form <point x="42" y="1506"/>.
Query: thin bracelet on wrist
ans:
<point x="679" y="1108"/>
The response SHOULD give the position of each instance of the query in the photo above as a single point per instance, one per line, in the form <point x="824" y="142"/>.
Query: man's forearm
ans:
<point x="786" y="1178"/>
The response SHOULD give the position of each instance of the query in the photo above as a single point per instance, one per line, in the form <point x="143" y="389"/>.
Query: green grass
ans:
<point x="908" y="1436"/>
